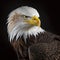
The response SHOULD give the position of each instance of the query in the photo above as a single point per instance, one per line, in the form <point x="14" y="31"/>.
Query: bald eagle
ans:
<point x="29" y="40"/>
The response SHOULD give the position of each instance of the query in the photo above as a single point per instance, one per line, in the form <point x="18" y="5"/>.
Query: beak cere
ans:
<point x="35" y="21"/>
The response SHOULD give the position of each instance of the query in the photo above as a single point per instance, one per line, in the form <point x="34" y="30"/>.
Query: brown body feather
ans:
<point x="45" y="46"/>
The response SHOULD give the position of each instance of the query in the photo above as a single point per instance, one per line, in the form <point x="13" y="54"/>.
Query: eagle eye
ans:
<point x="26" y="16"/>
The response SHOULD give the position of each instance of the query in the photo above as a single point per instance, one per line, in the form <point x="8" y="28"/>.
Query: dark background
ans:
<point x="49" y="15"/>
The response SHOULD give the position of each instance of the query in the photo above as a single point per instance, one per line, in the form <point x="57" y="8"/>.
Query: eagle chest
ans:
<point x="43" y="47"/>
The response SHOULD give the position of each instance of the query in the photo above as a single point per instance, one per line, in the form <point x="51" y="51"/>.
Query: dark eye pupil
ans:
<point x="26" y="16"/>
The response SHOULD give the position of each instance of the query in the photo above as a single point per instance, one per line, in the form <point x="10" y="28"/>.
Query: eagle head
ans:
<point x="23" y="21"/>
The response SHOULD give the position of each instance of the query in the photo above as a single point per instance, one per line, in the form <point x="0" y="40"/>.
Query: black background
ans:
<point x="49" y="15"/>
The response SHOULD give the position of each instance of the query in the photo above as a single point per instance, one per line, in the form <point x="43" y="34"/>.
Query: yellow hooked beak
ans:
<point x="35" y="21"/>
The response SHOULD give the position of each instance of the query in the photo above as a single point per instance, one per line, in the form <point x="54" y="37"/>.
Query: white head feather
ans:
<point x="16" y="27"/>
